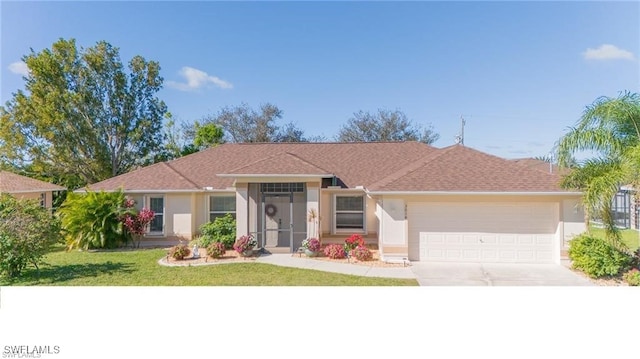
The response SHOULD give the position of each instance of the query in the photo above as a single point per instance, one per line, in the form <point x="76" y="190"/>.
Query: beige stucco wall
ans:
<point x="36" y="196"/>
<point x="178" y="215"/>
<point x="572" y="219"/>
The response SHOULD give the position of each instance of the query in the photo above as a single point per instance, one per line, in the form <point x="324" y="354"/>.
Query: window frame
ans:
<point x="335" y="212"/>
<point x="210" y="211"/>
<point x="147" y="201"/>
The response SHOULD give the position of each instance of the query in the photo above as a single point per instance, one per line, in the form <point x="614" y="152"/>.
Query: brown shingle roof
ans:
<point x="13" y="183"/>
<point x="379" y="166"/>
<point x="462" y="169"/>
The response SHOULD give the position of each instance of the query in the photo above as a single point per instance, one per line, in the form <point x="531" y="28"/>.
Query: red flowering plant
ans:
<point x="134" y="221"/>
<point x="352" y="242"/>
<point x="334" y="251"/>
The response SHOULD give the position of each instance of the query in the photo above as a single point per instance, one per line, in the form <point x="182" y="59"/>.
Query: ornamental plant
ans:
<point x="362" y="253"/>
<point x="179" y="252"/>
<point x="216" y="250"/>
<point x="632" y="277"/>
<point x="352" y="242"/>
<point x="135" y="222"/>
<point x="311" y="244"/>
<point x="222" y="229"/>
<point x="597" y="257"/>
<point x="244" y="243"/>
<point x="334" y="251"/>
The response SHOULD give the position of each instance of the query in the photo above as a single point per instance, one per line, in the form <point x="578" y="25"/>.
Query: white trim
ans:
<point x="334" y="224"/>
<point x="33" y="191"/>
<point x="457" y="193"/>
<point x="147" y="202"/>
<point x="145" y="191"/>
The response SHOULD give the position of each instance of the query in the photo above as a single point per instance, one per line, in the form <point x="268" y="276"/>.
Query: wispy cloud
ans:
<point x="19" y="68"/>
<point x="608" y="52"/>
<point x="197" y="79"/>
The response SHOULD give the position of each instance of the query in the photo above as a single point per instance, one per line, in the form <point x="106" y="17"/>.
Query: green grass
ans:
<point x="141" y="268"/>
<point x="629" y="236"/>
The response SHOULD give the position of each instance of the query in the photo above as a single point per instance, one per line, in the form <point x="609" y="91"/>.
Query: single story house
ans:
<point x="412" y="200"/>
<point x="23" y="187"/>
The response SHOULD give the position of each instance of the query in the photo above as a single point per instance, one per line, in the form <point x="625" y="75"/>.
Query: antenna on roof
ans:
<point x="460" y="137"/>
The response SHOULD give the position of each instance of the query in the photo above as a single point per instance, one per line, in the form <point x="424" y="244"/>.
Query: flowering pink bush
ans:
<point x="244" y="243"/>
<point x="334" y="251"/>
<point x="137" y="223"/>
<point x="352" y="242"/>
<point x="362" y="253"/>
<point x="312" y="244"/>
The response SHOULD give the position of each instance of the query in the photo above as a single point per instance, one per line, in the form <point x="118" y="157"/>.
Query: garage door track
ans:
<point x="495" y="274"/>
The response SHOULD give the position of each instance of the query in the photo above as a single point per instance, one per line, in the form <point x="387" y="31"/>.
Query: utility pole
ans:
<point x="460" y="137"/>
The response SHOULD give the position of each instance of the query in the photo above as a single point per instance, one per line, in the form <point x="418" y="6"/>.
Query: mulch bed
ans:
<point x="233" y="256"/>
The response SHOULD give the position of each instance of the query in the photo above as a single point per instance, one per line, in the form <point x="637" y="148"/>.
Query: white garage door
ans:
<point x="482" y="232"/>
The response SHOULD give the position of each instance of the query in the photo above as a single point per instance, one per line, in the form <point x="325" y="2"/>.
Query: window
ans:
<point x="219" y="206"/>
<point x="43" y="200"/>
<point x="349" y="213"/>
<point x="156" y="204"/>
<point x="281" y="187"/>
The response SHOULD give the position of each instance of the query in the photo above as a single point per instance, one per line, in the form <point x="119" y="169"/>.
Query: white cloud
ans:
<point x="607" y="52"/>
<point x="19" y="68"/>
<point x="197" y="79"/>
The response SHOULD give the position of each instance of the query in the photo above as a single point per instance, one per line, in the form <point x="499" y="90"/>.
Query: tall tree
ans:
<point x="384" y="125"/>
<point x="82" y="114"/>
<point x="609" y="127"/>
<point x="244" y="124"/>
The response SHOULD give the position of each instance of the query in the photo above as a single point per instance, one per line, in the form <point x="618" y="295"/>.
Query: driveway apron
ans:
<point x="495" y="274"/>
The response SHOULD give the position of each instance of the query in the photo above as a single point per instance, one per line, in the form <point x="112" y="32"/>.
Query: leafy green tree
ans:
<point x="94" y="220"/>
<point x="82" y="114"/>
<point x="609" y="127"/>
<point x="384" y="125"/>
<point x="207" y="135"/>
<point x="27" y="232"/>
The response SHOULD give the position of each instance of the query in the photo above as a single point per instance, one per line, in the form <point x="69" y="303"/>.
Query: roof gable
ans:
<point x="462" y="169"/>
<point x="14" y="183"/>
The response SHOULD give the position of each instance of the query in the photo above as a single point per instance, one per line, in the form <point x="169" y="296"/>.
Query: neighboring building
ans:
<point x="28" y="188"/>
<point x="413" y="200"/>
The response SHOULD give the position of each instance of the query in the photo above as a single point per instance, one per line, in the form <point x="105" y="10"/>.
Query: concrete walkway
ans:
<point x="287" y="260"/>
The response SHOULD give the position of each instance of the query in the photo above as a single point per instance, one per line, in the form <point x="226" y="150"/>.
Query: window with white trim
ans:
<point x="156" y="204"/>
<point x="43" y="200"/>
<point x="219" y="206"/>
<point x="349" y="213"/>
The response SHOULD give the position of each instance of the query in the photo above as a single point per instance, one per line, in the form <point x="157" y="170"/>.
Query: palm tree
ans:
<point x="610" y="128"/>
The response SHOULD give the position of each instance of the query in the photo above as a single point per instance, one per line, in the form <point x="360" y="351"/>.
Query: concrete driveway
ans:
<point x="495" y="274"/>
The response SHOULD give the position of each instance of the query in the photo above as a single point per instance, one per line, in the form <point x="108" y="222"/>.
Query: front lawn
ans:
<point x="141" y="268"/>
<point x="629" y="236"/>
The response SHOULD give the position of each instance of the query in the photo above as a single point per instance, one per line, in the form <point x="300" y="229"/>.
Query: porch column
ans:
<point x="242" y="209"/>
<point x="313" y="204"/>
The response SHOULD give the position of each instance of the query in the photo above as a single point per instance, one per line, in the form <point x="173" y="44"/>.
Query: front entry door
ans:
<point x="277" y="212"/>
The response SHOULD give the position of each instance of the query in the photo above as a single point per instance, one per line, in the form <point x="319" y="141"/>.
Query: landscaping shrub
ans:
<point x="179" y="252"/>
<point x="334" y="251"/>
<point x="312" y="244"/>
<point x="222" y="230"/>
<point x="632" y="277"/>
<point x="596" y="257"/>
<point x="93" y="220"/>
<point x="352" y="242"/>
<point x="362" y="253"/>
<point x="244" y="244"/>
<point x="27" y="232"/>
<point x="216" y="250"/>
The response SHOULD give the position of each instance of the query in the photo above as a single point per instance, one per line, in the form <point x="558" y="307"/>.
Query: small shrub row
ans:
<point x="179" y="252"/>
<point x="596" y="257"/>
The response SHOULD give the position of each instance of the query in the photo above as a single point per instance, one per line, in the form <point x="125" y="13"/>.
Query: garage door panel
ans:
<point x="482" y="232"/>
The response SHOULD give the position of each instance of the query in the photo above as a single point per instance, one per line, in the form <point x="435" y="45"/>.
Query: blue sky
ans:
<point x="520" y="73"/>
